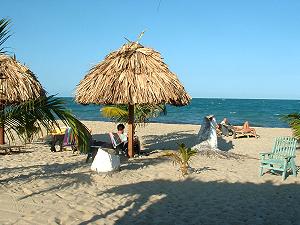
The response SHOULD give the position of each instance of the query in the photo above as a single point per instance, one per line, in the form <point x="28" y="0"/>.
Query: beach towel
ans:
<point x="69" y="138"/>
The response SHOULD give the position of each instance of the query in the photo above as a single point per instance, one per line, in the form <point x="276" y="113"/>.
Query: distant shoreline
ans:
<point x="283" y="99"/>
<point x="259" y="113"/>
<point x="181" y="124"/>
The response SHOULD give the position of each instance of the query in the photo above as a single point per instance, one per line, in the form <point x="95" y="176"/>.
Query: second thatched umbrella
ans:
<point x="131" y="75"/>
<point x="17" y="84"/>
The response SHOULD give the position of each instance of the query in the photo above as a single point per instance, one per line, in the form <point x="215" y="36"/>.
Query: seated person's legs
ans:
<point x="136" y="147"/>
<point x="230" y="129"/>
<point x="124" y="148"/>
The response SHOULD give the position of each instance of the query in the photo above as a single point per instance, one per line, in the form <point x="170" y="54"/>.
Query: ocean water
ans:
<point x="259" y="112"/>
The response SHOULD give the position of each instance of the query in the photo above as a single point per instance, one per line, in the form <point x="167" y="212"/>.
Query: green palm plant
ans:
<point x="293" y="120"/>
<point x="182" y="157"/>
<point x="142" y="113"/>
<point x="27" y="119"/>
<point x="4" y="30"/>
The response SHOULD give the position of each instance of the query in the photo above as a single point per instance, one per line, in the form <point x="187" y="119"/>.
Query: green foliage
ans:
<point x="182" y="157"/>
<point x="116" y="113"/>
<point x="142" y="113"/>
<point x="294" y="122"/>
<point x="4" y="30"/>
<point x="27" y="119"/>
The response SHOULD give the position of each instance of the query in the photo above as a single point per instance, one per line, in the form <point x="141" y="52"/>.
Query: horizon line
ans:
<point x="227" y="98"/>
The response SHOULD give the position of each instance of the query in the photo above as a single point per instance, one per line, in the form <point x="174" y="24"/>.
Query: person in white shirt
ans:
<point x="226" y="127"/>
<point x="124" y="139"/>
<point x="121" y="133"/>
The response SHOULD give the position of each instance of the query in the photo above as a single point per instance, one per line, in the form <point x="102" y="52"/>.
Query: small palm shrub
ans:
<point x="294" y="122"/>
<point x="182" y="157"/>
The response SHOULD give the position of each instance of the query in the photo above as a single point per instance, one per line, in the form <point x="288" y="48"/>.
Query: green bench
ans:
<point x="9" y="148"/>
<point x="282" y="157"/>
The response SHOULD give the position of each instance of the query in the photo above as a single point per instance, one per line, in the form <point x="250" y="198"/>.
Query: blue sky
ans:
<point x="228" y="49"/>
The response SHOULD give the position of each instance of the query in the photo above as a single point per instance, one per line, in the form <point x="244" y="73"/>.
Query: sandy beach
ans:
<point x="41" y="187"/>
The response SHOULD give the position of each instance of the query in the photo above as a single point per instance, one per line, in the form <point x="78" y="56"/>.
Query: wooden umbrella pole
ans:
<point x="130" y="130"/>
<point x="1" y="135"/>
<point x="2" y="126"/>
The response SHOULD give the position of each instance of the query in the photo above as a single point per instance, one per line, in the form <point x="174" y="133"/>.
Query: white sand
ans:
<point x="41" y="187"/>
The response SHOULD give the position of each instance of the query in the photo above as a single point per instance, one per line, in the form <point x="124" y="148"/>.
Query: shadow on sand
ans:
<point x="62" y="173"/>
<point x="170" y="141"/>
<point x="195" y="202"/>
<point x="139" y="163"/>
<point x="15" y="152"/>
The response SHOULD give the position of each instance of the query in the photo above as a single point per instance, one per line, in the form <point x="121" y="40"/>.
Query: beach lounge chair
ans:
<point x="64" y="137"/>
<point x="226" y="130"/>
<point x="282" y="157"/>
<point x="114" y="147"/>
<point x="246" y="130"/>
<point x="69" y="139"/>
<point x="108" y="151"/>
<point x="55" y="137"/>
<point x="122" y="146"/>
<point x="242" y="133"/>
<point x="117" y="143"/>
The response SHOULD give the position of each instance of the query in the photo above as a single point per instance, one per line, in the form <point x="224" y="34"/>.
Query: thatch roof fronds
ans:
<point x="17" y="82"/>
<point x="132" y="75"/>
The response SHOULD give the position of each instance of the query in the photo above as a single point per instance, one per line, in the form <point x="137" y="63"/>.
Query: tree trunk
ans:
<point x="2" y="141"/>
<point x="130" y="130"/>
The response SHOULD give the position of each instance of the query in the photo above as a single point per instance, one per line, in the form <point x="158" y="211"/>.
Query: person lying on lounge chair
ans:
<point x="246" y="129"/>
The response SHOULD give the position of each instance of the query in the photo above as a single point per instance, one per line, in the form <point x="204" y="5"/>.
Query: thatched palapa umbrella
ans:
<point x="17" y="84"/>
<point x="131" y="75"/>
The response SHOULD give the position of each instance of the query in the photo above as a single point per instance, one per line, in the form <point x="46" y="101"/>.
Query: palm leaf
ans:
<point x="182" y="157"/>
<point x="142" y="113"/>
<point x="293" y="120"/>
<point x="4" y="30"/>
<point x="28" y="118"/>
<point x="118" y="113"/>
<point x="174" y="156"/>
